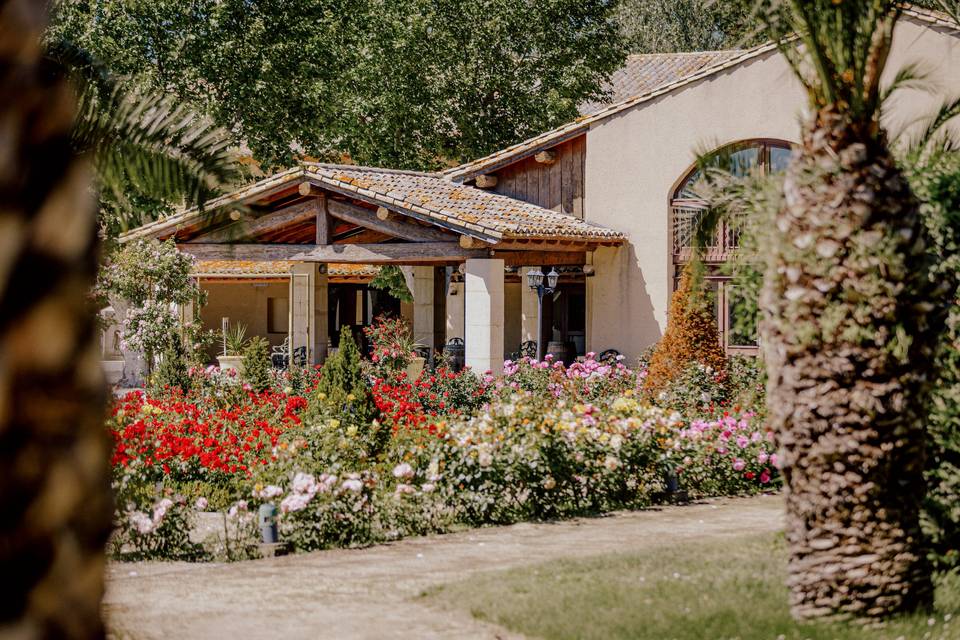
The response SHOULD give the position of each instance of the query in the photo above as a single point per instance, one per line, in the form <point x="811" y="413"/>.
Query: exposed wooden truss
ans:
<point x="364" y="217"/>
<point x="410" y="253"/>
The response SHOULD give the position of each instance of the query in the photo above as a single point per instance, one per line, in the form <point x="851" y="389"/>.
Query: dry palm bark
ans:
<point x="54" y="472"/>
<point x="849" y="332"/>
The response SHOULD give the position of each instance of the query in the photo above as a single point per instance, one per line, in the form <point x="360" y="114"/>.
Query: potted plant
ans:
<point x="234" y="342"/>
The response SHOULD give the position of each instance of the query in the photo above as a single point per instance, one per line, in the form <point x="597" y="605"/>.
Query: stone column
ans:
<point x="483" y="311"/>
<point x="308" y="310"/>
<point x="528" y="308"/>
<point x="321" y="307"/>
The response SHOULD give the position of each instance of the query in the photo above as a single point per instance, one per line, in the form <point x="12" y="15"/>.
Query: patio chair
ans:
<point x="609" y="356"/>
<point x="280" y="355"/>
<point x="300" y="357"/>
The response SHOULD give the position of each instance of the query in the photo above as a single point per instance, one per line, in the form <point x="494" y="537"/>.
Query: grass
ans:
<point x="731" y="590"/>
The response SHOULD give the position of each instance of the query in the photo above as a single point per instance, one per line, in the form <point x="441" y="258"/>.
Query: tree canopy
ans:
<point x="659" y="26"/>
<point x="411" y="83"/>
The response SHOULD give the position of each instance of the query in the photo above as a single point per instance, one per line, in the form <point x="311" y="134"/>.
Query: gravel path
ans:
<point x="372" y="593"/>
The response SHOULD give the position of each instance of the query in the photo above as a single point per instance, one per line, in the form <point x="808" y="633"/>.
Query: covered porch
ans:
<point x="292" y="257"/>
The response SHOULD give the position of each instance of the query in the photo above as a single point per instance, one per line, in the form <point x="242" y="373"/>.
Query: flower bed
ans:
<point x="542" y="441"/>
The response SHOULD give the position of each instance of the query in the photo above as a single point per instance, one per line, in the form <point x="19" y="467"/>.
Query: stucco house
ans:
<point x="603" y="199"/>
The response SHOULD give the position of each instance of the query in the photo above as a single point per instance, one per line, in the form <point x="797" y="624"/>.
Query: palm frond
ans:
<point x="145" y="145"/>
<point x="935" y="133"/>
<point x="951" y="8"/>
<point x="843" y="48"/>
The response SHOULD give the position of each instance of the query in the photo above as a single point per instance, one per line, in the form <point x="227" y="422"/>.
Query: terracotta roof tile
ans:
<point x="430" y="197"/>
<point x="463" y="208"/>
<point x="646" y="72"/>
<point x="577" y="127"/>
<point x="267" y="268"/>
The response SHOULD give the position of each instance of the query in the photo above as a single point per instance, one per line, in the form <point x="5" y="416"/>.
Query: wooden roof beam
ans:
<point x="385" y="253"/>
<point x="547" y="156"/>
<point x="271" y="222"/>
<point x="486" y="181"/>
<point x="363" y="217"/>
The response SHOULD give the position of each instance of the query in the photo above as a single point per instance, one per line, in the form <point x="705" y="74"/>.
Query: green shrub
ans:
<point x="935" y="178"/>
<point x="256" y="364"/>
<point x="691" y="336"/>
<point x="172" y="372"/>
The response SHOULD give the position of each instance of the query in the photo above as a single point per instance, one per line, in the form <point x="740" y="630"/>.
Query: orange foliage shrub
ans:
<point x="691" y="336"/>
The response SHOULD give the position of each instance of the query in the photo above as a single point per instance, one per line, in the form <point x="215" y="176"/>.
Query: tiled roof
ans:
<point x="429" y="197"/>
<point x="645" y="72"/>
<point x="577" y="127"/>
<point x="931" y="16"/>
<point x="654" y="77"/>
<point x="466" y="209"/>
<point x="214" y="268"/>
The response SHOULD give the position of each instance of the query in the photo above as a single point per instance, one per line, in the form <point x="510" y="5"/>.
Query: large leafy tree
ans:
<point x="658" y="26"/>
<point x="852" y="320"/>
<point x="404" y="83"/>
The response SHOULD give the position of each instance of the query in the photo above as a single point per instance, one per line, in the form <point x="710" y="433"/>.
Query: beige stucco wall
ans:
<point x="242" y="302"/>
<point x="635" y="159"/>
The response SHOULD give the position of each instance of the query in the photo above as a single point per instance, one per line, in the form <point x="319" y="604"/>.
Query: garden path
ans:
<point x="373" y="593"/>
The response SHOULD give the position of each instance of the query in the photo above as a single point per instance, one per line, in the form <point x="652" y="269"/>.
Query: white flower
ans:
<point x="405" y="489"/>
<point x="271" y="491"/>
<point x="403" y="471"/>
<point x="428" y="488"/>
<point x="352" y="484"/>
<point x="160" y="510"/>
<point x="303" y="483"/>
<point x="294" y="502"/>
<point x="485" y="459"/>
<point x="141" y="522"/>
<point x="200" y="504"/>
<point x="612" y="463"/>
<point x="239" y="505"/>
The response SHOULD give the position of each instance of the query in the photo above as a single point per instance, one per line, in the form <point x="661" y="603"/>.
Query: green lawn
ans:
<point x="715" y="591"/>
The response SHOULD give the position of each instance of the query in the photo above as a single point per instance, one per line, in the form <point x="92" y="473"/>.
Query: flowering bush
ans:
<point x="587" y="380"/>
<point x="160" y="531"/>
<point x="153" y="277"/>
<point x="391" y="345"/>
<point x="729" y="454"/>
<point x="541" y="441"/>
<point x="185" y="437"/>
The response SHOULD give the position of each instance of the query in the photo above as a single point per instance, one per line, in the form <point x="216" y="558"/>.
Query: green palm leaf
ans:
<point x="144" y="145"/>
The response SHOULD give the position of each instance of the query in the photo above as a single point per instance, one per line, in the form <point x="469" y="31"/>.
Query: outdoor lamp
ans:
<point x="552" y="278"/>
<point x="535" y="278"/>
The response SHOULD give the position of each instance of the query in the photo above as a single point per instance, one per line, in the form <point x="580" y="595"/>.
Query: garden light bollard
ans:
<point x="268" y="523"/>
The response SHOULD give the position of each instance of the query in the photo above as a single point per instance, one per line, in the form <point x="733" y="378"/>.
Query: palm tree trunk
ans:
<point x="850" y="331"/>
<point x="54" y="471"/>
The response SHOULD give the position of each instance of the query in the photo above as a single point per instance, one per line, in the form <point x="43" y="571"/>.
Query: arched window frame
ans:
<point x="686" y="210"/>
<point x="684" y="214"/>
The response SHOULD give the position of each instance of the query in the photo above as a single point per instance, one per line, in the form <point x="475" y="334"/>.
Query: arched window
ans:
<point x="741" y="158"/>
<point x="686" y="206"/>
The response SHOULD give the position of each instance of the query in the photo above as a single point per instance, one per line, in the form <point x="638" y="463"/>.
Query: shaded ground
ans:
<point x="372" y="593"/>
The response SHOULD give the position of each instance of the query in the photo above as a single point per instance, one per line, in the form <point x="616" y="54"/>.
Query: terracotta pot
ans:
<point x="415" y="368"/>
<point x="231" y="362"/>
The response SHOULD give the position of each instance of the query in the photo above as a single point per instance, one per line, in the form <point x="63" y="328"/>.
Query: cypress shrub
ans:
<point x="691" y="336"/>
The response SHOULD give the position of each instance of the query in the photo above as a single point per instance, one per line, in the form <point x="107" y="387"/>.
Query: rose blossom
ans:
<point x="403" y="471"/>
